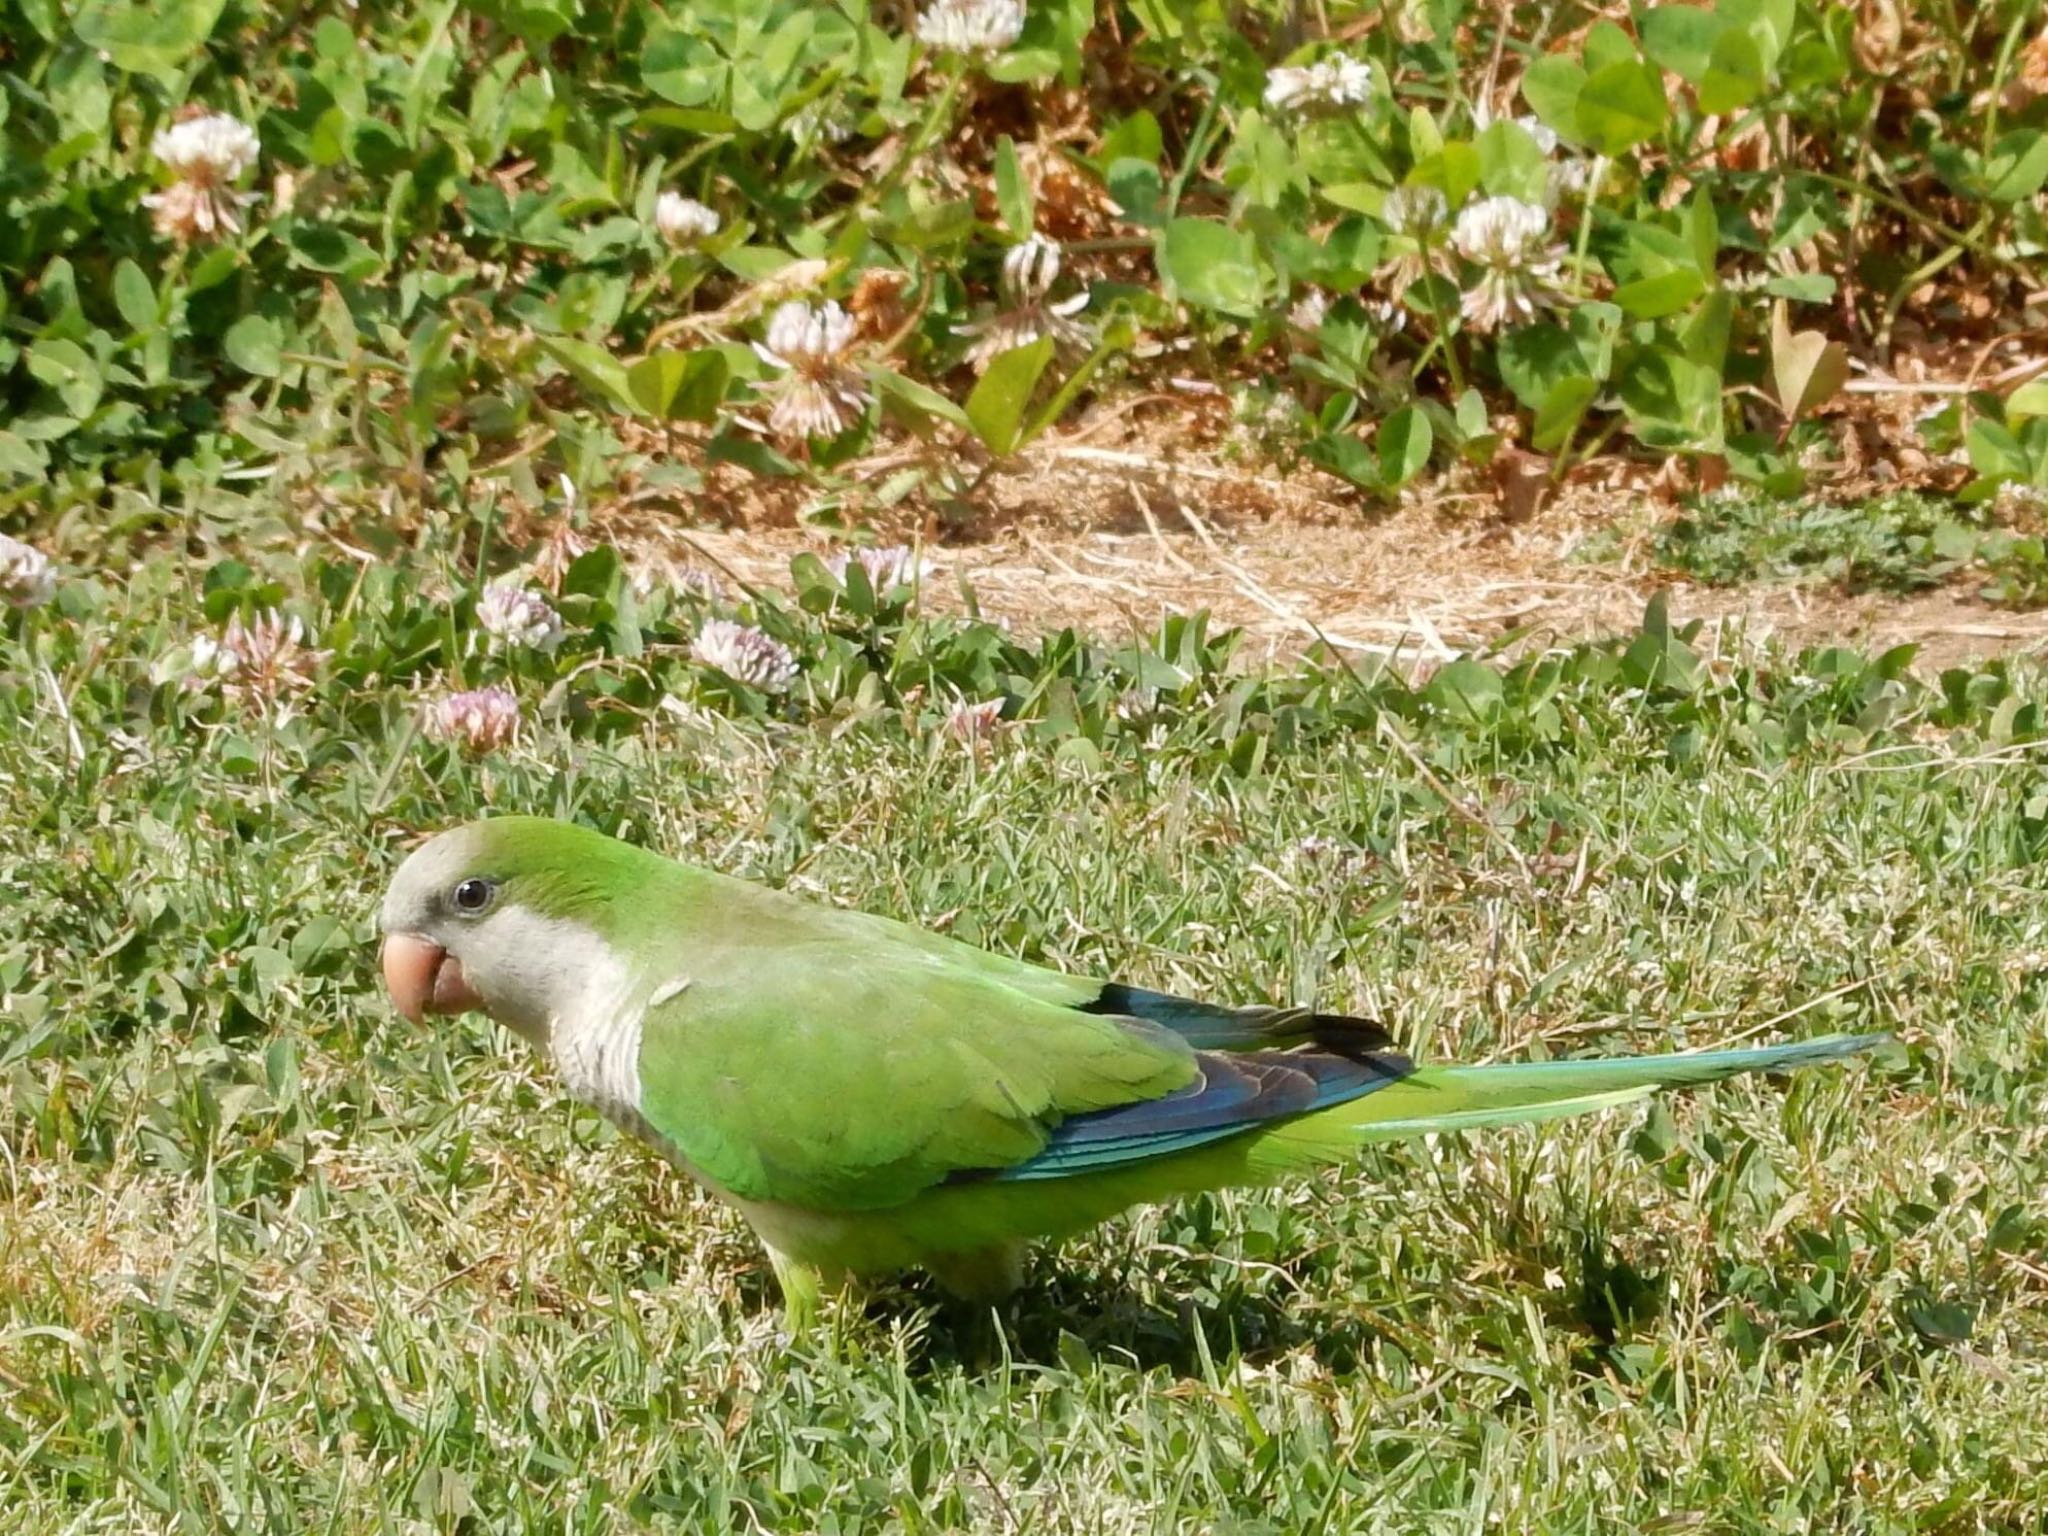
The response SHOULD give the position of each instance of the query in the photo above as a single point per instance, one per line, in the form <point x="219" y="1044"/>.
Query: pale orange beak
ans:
<point x="424" y="978"/>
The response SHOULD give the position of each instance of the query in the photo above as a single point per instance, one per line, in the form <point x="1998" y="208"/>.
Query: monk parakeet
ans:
<point x="873" y="1097"/>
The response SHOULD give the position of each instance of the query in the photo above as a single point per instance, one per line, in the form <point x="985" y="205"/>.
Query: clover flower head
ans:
<point x="683" y="220"/>
<point x="26" y="579"/>
<point x="818" y="123"/>
<point x="207" y="154"/>
<point x="801" y="334"/>
<point x="975" y="723"/>
<point x="262" y="657"/>
<point x="1415" y="216"/>
<point x="1388" y="317"/>
<point x="213" y="148"/>
<point x="1338" y="83"/>
<point x="897" y="565"/>
<point x="820" y="393"/>
<point x="1310" y="310"/>
<point x="695" y="581"/>
<point x="1415" y="211"/>
<point x="690" y="581"/>
<point x="514" y="617"/>
<point x="744" y="654"/>
<point x="478" y="720"/>
<point x="979" y="29"/>
<point x="1030" y="268"/>
<point x="1509" y="241"/>
<point x="1573" y="175"/>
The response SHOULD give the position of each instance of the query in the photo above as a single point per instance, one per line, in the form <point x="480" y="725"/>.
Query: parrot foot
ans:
<point x="803" y="1291"/>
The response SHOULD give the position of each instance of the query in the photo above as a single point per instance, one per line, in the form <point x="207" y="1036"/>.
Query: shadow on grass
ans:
<point x="1074" y="1319"/>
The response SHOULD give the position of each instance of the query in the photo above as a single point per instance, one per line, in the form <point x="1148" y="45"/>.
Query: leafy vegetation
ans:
<point x="272" y="1259"/>
<point x="1904" y="542"/>
<point x="412" y="247"/>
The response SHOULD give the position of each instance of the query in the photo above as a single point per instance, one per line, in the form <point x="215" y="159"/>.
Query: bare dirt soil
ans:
<point x="1109" y="539"/>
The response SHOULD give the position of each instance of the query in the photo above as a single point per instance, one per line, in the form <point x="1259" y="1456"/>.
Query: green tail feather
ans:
<point x="958" y="1217"/>
<point x="1517" y="1093"/>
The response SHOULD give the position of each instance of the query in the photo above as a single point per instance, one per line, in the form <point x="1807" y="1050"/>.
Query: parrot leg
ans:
<point x="803" y="1288"/>
<point x="982" y="1275"/>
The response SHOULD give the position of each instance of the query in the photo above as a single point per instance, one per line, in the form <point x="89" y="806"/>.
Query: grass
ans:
<point x="1906" y="541"/>
<point x="270" y="1259"/>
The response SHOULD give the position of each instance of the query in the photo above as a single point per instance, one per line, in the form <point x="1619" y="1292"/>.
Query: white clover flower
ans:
<point x="975" y="723"/>
<point x="744" y="654"/>
<point x="1418" y="212"/>
<point x="1509" y="241"/>
<point x="1030" y="268"/>
<point x="1310" y="310"/>
<point x="820" y="394"/>
<point x="208" y="155"/>
<point x="513" y="616"/>
<point x="1389" y="317"/>
<point x="261" y="657"/>
<point x="1573" y="175"/>
<point x="214" y="148"/>
<point x="895" y="566"/>
<point x="1415" y="217"/>
<point x="478" y="720"/>
<point x="977" y="28"/>
<point x="1568" y="174"/>
<point x="695" y="581"/>
<point x="1336" y="84"/>
<point x="818" y="123"/>
<point x="799" y="333"/>
<point x="26" y="579"/>
<point x="683" y="220"/>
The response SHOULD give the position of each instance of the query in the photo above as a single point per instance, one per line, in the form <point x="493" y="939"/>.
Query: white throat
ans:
<point x="572" y="995"/>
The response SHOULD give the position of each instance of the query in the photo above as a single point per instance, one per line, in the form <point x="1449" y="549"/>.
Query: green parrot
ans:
<point x="872" y="1097"/>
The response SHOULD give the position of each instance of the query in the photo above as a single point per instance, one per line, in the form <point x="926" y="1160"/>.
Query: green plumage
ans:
<point x="856" y="1091"/>
<point x="874" y="1096"/>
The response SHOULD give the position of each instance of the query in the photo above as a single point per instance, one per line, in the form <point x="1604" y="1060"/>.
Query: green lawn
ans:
<point x="321" y="309"/>
<point x="270" y="1259"/>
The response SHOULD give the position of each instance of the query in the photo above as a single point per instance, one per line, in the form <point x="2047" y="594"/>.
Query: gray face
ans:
<point x="454" y="941"/>
<point x="422" y="898"/>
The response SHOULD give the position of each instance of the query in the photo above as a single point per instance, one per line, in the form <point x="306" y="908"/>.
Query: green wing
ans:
<point x="837" y="1075"/>
<point x="840" y="1061"/>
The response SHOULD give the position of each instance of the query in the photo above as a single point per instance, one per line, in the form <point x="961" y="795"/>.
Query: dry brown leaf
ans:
<point x="1879" y="31"/>
<point x="2032" y="79"/>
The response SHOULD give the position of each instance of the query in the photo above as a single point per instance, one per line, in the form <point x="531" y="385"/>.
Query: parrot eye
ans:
<point x="474" y="895"/>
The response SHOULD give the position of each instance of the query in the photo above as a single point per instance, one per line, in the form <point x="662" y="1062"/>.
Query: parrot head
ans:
<point x="507" y="916"/>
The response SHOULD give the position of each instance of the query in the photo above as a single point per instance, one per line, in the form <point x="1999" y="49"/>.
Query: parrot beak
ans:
<point x="424" y="978"/>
